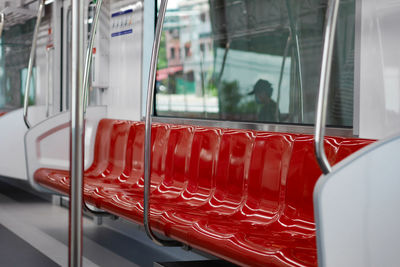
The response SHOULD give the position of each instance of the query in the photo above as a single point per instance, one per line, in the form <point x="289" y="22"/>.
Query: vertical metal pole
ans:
<point x="85" y="87"/>
<point x="49" y="94"/>
<point x="148" y="122"/>
<point x="2" y="18"/>
<point x="300" y="73"/>
<point x="221" y="73"/>
<point x="324" y="86"/>
<point x="203" y="90"/>
<point x="285" y="54"/>
<point x="48" y="84"/>
<point x="295" y="37"/>
<point x="69" y="40"/>
<point x="77" y="137"/>
<point x="31" y="61"/>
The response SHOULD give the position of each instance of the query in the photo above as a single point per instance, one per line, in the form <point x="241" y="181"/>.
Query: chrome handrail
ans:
<point x="85" y="88"/>
<point x="89" y="53"/>
<point x="31" y="61"/>
<point x="49" y="81"/>
<point x="2" y="19"/>
<point x="148" y="123"/>
<point x="68" y="58"/>
<point x="294" y="36"/>
<point x="77" y="136"/>
<point x="324" y="86"/>
<point x="282" y="72"/>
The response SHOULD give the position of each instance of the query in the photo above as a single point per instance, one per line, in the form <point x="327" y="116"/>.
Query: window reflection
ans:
<point x="254" y="60"/>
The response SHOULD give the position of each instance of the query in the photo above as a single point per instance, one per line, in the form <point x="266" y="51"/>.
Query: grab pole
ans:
<point x="147" y="146"/>
<point x="324" y="86"/>
<point x="31" y="62"/>
<point x="77" y="136"/>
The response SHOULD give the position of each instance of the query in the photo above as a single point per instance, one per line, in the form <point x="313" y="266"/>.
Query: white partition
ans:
<point x="12" y="150"/>
<point x="357" y="209"/>
<point x="47" y="144"/>
<point x="377" y="81"/>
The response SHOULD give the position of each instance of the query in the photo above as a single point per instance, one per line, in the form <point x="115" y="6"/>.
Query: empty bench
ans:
<point x="245" y="196"/>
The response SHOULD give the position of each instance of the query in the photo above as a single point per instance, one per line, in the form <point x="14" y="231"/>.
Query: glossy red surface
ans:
<point x="242" y="195"/>
<point x="2" y="113"/>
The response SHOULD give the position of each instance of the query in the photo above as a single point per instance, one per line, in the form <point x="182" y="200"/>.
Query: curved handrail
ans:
<point x="295" y="38"/>
<point x="324" y="86"/>
<point x="68" y="57"/>
<point x="2" y="19"/>
<point x="147" y="146"/>
<point x="31" y="61"/>
<point x="88" y="64"/>
<point x="285" y="54"/>
<point x="89" y="54"/>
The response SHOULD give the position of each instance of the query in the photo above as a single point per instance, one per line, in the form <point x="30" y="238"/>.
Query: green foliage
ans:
<point x="212" y="90"/>
<point x="229" y="98"/>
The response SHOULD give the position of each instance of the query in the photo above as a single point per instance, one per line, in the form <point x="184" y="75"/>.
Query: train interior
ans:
<point x="199" y="132"/>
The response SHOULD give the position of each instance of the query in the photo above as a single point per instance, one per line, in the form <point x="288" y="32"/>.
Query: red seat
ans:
<point x="242" y="195"/>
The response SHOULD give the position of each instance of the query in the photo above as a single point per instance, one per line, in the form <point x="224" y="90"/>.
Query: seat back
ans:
<point x="304" y="173"/>
<point x="203" y="163"/>
<point x="110" y="149"/>
<point x="233" y="168"/>
<point x="269" y="167"/>
<point x="177" y="159"/>
<point x="134" y="168"/>
<point x="101" y="147"/>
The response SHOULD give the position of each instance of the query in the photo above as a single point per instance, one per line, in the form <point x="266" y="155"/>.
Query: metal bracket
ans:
<point x="99" y="213"/>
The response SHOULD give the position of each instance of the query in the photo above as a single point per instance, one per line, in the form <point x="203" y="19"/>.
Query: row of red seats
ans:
<point x="243" y="195"/>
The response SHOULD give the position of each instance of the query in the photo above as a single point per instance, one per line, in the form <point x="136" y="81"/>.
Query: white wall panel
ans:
<point x="379" y="69"/>
<point x="13" y="130"/>
<point x="148" y="37"/>
<point x="123" y="98"/>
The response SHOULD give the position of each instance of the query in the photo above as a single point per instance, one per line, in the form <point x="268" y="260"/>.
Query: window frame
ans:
<point x="342" y="131"/>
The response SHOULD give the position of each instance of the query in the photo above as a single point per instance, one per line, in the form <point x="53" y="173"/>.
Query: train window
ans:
<point x="15" y="47"/>
<point x="262" y="62"/>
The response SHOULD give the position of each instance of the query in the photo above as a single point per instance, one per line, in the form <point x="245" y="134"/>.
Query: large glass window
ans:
<point x="253" y="60"/>
<point x="15" y="46"/>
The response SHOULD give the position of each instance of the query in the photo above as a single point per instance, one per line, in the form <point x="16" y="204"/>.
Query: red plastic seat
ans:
<point x="242" y="195"/>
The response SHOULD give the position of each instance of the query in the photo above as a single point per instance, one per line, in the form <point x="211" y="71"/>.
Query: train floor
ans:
<point x="34" y="232"/>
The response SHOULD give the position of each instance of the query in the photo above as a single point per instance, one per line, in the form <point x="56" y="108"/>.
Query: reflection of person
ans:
<point x="263" y="92"/>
